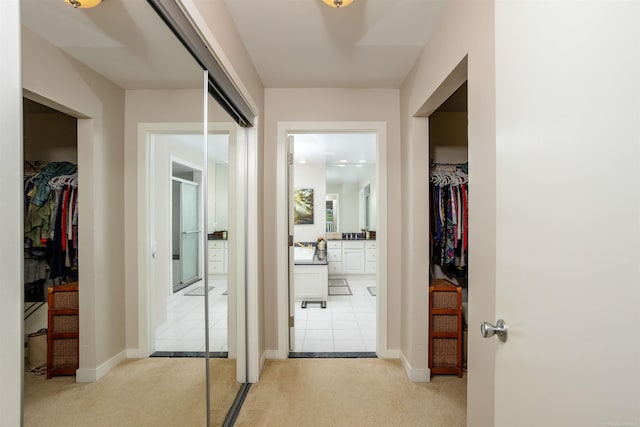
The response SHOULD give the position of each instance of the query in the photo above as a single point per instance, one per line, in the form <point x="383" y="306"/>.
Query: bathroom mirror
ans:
<point x="139" y="100"/>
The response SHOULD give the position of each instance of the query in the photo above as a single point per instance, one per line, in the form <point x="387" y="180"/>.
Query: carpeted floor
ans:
<point x="351" y="392"/>
<point x="137" y="392"/>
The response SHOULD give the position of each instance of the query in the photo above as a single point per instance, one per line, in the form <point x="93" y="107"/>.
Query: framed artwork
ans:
<point x="303" y="206"/>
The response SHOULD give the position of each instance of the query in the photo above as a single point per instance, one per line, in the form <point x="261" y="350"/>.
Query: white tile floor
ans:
<point x="348" y="324"/>
<point x="184" y="329"/>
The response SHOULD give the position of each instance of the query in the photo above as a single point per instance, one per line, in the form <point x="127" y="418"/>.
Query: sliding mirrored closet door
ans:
<point x="152" y="140"/>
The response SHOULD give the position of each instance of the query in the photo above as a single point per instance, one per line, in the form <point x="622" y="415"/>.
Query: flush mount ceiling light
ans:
<point x="83" y="4"/>
<point x="338" y="3"/>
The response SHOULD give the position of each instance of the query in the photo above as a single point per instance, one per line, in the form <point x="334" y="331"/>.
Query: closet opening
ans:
<point x="449" y="231"/>
<point x="51" y="259"/>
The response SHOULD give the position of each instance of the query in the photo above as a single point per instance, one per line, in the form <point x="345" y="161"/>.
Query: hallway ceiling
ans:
<point x="293" y="43"/>
<point x="304" y="43"/>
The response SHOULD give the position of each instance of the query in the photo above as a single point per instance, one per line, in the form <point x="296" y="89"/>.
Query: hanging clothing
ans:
<point x="51" y="219"/>
<point x="449" y="217"/>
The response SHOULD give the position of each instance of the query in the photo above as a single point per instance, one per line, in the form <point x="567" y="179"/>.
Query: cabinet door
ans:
<point x="353" y="261"/>
<point x="311" y="283"/>
<point x="335" y="267"/>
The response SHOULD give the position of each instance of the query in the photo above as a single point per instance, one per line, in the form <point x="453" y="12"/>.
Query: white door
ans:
<point x="567" y="213"/>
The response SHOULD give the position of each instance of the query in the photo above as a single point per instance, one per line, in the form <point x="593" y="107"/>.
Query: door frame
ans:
<point x="237" y="321"/>
<point x="282" y="250"/>
<point x="201" y="222"/>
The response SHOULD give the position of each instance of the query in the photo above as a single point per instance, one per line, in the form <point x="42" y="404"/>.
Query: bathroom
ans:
<point x="334" y="212"/>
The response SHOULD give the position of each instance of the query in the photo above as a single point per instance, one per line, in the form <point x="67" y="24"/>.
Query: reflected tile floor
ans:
<point x="184" y="328"/>
<point x="348" y="324"/>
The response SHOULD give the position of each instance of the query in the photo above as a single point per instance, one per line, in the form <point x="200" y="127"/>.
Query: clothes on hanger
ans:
<point x="449" y="217"/>
<point x="51" y="221"/>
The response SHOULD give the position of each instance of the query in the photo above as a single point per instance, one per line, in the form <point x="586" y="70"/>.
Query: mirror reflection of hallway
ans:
<point x="182" y="327"/>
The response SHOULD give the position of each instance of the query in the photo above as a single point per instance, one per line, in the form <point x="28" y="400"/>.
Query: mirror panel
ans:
<point x="118" y="70"/>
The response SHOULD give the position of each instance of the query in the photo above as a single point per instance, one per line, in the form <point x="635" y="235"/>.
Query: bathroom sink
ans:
<point x="303" y="254"/>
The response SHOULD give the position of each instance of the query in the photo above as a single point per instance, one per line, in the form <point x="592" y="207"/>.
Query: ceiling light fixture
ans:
<point x="83" y="4"/>
<point x="338" y="3"/>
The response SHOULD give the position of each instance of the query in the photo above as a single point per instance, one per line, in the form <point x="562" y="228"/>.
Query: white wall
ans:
<point x="312" y="175"/>
<point x="466" y="29"/>
<point x="350" y="208"/>
<point x="330" y="105"/>
<point x="165" y="148"/>
<point x="76" y="90"/>
<point x="11" y="227"/>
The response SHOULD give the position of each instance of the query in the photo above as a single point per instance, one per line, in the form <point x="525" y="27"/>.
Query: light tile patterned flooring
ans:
<point x="184" y="329"/>
<point x="348" y="324"/>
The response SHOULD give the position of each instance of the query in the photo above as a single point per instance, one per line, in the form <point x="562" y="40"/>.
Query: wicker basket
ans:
<point x="445" y="328"/>
<point x="63" y="332"/>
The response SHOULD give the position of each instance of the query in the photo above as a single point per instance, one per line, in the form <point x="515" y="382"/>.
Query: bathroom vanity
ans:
<point x="351" y="257"/>
<point x="311" y="276"/>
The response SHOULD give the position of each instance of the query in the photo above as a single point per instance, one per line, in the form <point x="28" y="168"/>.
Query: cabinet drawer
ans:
<point x="216" y="267"/>
<point x="370" y="245"/>
<point x="334" y="244"/>
<point x="334" y="256"/>
<point x="353" y="245"/>
<point x="370" y="255"/>
<point x="335" y="268"/>
<point x="216" y="254"/>
<point x="217" y="244"/>
<point x="371" y="268"/>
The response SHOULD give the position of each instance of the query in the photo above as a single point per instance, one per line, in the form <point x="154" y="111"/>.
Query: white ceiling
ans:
<point x="124" y="40"/>
<point x="349" y="156"/>
<point x="305" y="43"/>
<point x="293" y="43"/>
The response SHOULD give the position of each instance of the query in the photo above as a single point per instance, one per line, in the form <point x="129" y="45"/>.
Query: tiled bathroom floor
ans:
<point x="184" y="329"/>
<point x="348" y="324"/>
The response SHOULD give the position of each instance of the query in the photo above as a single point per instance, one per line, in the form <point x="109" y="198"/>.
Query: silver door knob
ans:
<point x="500" y="329"/>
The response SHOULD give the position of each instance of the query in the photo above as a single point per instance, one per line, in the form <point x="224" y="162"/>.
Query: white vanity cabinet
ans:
<point x="334" y="256"/>
<point x="311" y="282"/>
<point x="370" y="251"/>
<point x="353" y="257"/>
<point x="218" y="256"/>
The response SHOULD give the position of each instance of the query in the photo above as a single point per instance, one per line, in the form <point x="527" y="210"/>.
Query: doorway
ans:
<point x="51" y="225"/>
<point x="363" y="271"/>
<point x="178" y="232"/>
<point x="448" y="217"/>
<point x="334" y="298"/>
<point x="185" y="229"/>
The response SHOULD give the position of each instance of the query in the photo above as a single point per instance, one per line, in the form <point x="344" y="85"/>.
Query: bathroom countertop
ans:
<point x="319" y="258"/>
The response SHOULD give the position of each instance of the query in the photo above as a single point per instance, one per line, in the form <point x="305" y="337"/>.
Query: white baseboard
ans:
<point x="263" y="358"/>
<point x="416" y="375"/>
<point x="274" y="355"/>
<point x="86" y="375"/>
<point x="135" y="353"/>
<point x="389" y="353"/>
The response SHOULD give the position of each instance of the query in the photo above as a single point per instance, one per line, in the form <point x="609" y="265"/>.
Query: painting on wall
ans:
<point x="303" y="206"/>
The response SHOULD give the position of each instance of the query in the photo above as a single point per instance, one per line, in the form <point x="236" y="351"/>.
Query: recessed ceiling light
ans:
<point x="343" y="161"/>
<point x="362" y="161"/>
<point x="303" y="162"/>
<point x="341" y="166"/>
<point x="359" y="166"/>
